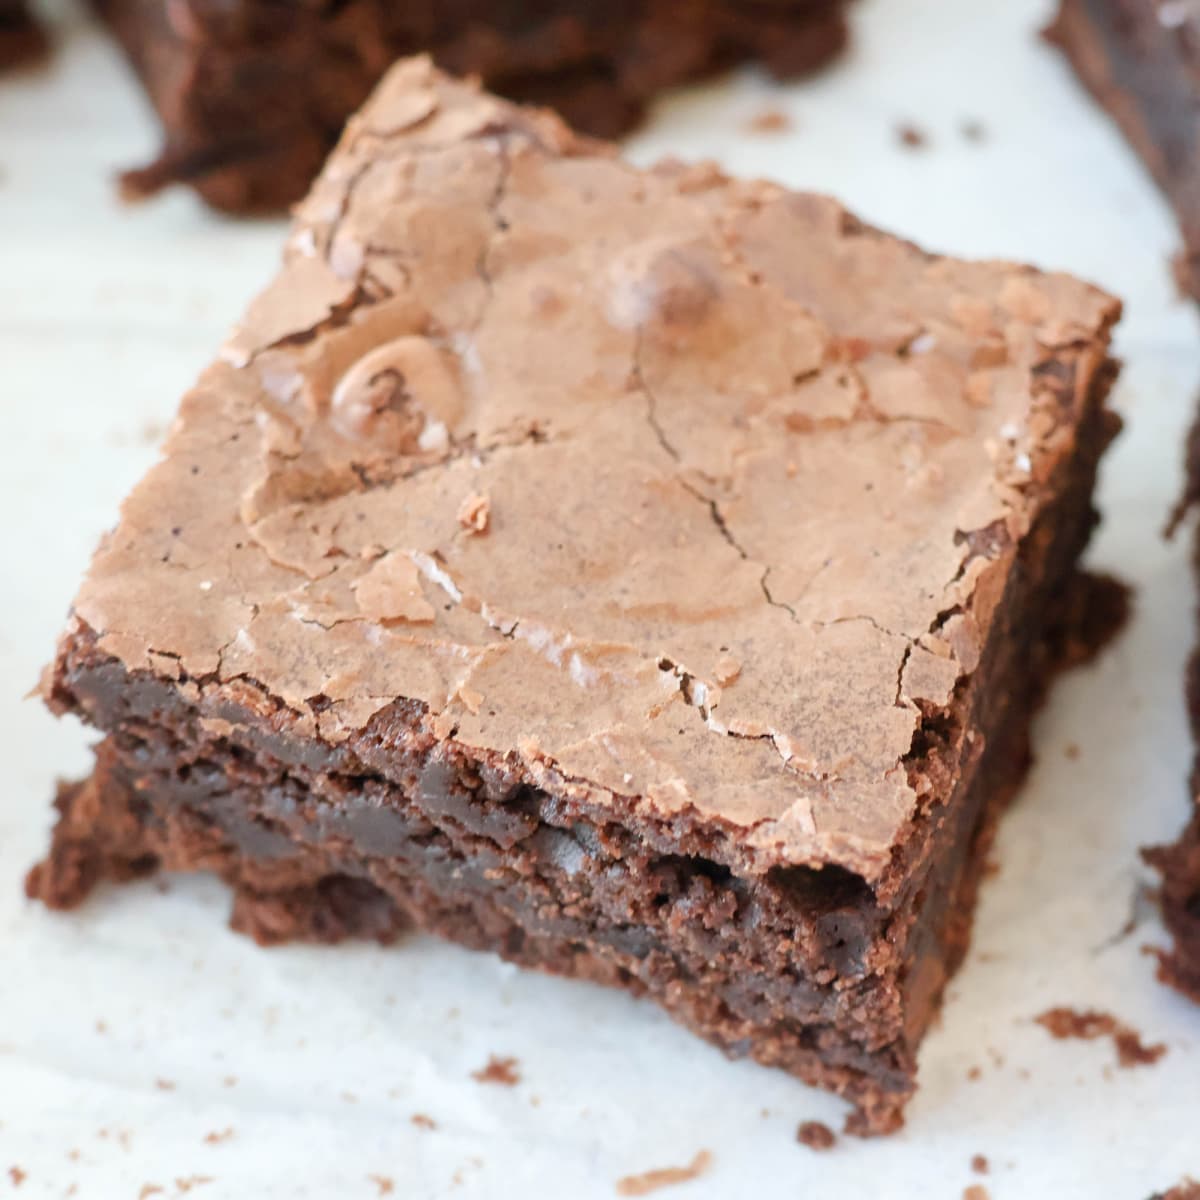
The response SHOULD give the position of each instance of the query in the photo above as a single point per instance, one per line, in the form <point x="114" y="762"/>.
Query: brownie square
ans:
<point x="252" y="94"/>
<point x="644" y="574"/>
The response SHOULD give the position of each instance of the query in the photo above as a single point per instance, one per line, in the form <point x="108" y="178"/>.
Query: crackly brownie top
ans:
<point x="686" y="491"/>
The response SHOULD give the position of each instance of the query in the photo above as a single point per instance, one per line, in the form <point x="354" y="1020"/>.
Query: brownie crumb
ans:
<point x="421" y="1121"/>
<point x="976" y="1192"/>
<point x="974" y="1073"/>
<point x="164" y="1085"/>
<point x="973" y="131"/>
<point x="186" y="1184"/>
<point x="383" y="1183"/>
<point x="229" y="1081"/>
<point x="17" y="1176"/>
<point x="979" y="1164"/>
<point x="149" y="1189"/>
<point x="769" y="120"/>
<point x="1090" y="1024"/>
<point x="216" y="1138"/>
<point x="498" y="1070"/>
<point x="651" y="1181"/>
<point x="816" y="1135"/>
<point x="911" y="137"/>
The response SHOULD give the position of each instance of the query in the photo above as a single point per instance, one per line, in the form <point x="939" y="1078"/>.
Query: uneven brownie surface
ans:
<point x="225" y="77"/>
<point x="1141" y="61"/>
<point x="645" y="574"/>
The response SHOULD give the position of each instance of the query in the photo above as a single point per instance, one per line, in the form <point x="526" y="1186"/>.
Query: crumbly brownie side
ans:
<point x="22" y="39"/>
<point x="252" y="100"/>
<point x="1140" y="59"/>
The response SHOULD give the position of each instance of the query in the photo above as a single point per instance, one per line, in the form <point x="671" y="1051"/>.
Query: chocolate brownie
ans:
<point x="643" y="574"/>
<point x="253" y="94"/>
<point x="1141" y="61"/>
<point x="22" y="40"/>
<point x="1180" y="864"/>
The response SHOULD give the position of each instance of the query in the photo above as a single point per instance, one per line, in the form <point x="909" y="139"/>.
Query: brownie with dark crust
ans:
<point x="1140" y="59"/>
<point x="253" y="94"/>
<point x="646" y="575"/>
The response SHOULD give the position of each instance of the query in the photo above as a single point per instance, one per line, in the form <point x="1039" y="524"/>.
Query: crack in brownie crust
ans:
<point x="227" y="79"/>
<point x="722" y="699"/>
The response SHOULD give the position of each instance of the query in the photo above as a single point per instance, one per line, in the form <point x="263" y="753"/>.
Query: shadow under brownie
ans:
<point x="252" y="95"/>
<point x="646" y="575"/>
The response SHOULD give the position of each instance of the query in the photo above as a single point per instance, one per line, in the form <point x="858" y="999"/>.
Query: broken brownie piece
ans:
<point x="252" y="95"/>
<point x="643" y="574"/>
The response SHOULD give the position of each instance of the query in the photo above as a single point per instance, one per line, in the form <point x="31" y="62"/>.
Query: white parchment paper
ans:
<point x="143" y="1045"/>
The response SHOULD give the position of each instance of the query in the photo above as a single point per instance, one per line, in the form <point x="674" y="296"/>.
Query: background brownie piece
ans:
<point x="1180" y="867"/>
<point x="1141" y="61"/>
<point x="1180" y="863"/>
<point x="252" y="95"/>
<point x="22" y="40"/>
<point x="646" y="575"/>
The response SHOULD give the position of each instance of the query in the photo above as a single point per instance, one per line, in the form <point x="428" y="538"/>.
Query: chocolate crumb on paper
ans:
<point x="1090" y="1024"/>
<point x="215" y="1138"/>
<point x="150" y="1189"/>
<point x="502" y="1071"/>
<point x="816" y="1135"/>
<point x="979" y="1164"/>
<point x="17" y="1176"/>
<point x="186" y="1183"/>
<point x="662" y="1177"/>
<point x="770" y="120"/>
<point x="976" y="1192"/>
<point x="383" y="1183"/>
<point x="421" y="1121"/>
<point x="911" y="137"/>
